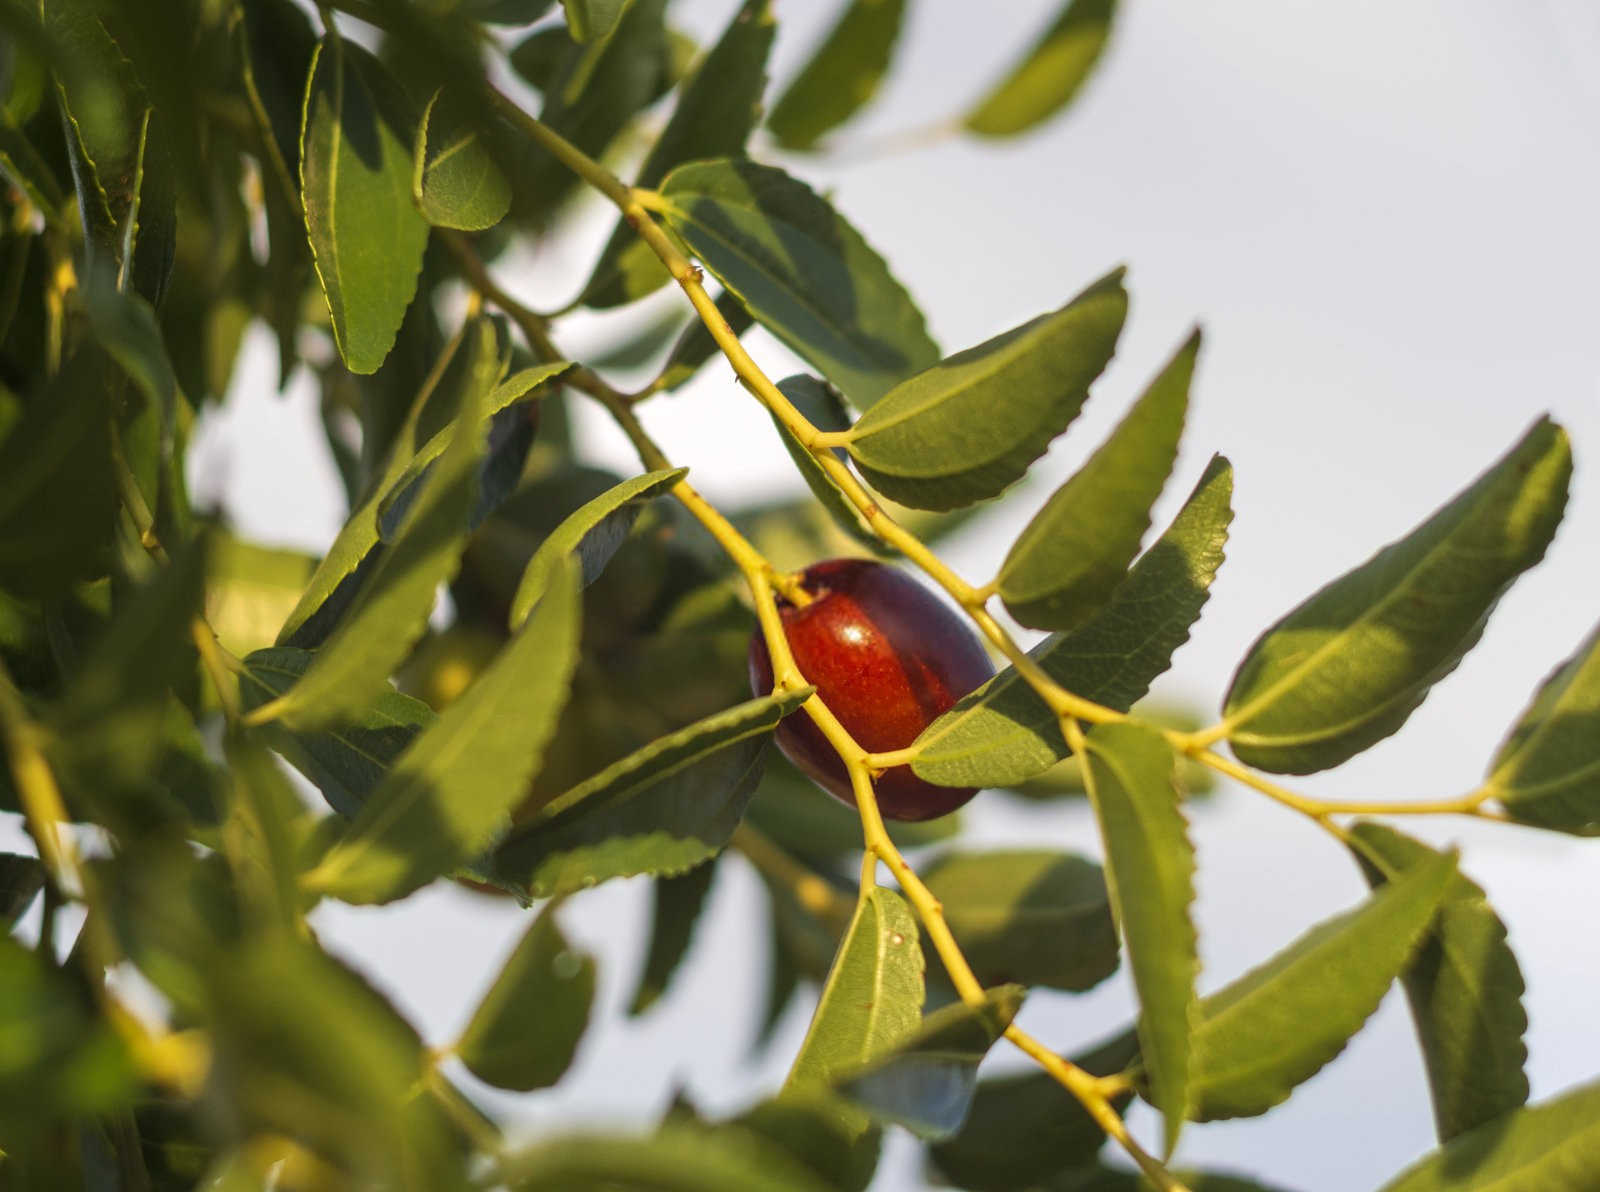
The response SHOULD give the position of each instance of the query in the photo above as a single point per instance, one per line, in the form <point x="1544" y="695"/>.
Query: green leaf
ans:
<point x="662" y="809"/>
<point x="676" y="909"/>
<point x="802" y="271"/>
<point x="840" y="76"/>
<point x="450" y="794"/>
<point x="717" y="108"/>
<point x="823" y="408"/>
<point x="1100" y="1178"/>
<point x="673" y="1159"/>
<point x="454" y="179"/>
<point x="1550" y="1147"/>
<point x="21" y="879"/>
<point x="1547" y="773"/>
<point x="366" y="234"/>
<point x="348" y="761"/>
<point x="871" y="1001"/>
<point x="250" y="589"/>
<point x="966" y="428"/>
<point x="23" y="167"/>
<point x="695" y="346"/>
<point x="1049" y="75"/>
<point x="1277" y="1025"/>
<point x="1150" y="877"/>
<point x="1031" y="916"/>
<point x="125" y="326"/>
<point x="525" y="1032"/>
<point x="1003" y="733"/>
<point x="593" y="533"/>
<point x="1348" y="666"/>
<point x="592" y="20"/>
<point x="926" y="1083"/>
<point x="1023" y="1129"/>
<point x="1076" y="550"/>
<point x="1465" y="990"/>
<point x="392" y="606"/>
<point x="266" y="826"/>
<point x="807" y="1126"/>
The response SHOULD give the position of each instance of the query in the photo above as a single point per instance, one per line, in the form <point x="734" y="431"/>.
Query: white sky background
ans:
<point x="1383" y="214"/>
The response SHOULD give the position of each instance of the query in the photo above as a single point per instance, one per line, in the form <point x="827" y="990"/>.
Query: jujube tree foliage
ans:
<point x="353" y="175"/>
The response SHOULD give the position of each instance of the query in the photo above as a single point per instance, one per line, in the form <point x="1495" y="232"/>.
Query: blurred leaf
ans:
<point x="22" y="165"/>
<point x="674" y="1159"/>
<point x="662" y="809"/>
<point x="592" y="533"/>
<point x="1550" y="1147"/>
<point x="871" y="1002"/>
<point x="348" y="761"/>
<point x="807" y="1126"/>
<point x="926" y="1083"/>
<point x="450" y="794"/>
<point x="1150" y="878"/>
<point x="507" y="12"/>
<point x="678" y="902"/>
<point x="455" y="180"/>
<point x="59" y="502"/>
<point x="251" y="589"/>
<point x="1049" y="75"/>
<point x="1069" y="560"/>
<point x="841" y="75"/>
<point x="526" y="1029"/>
<point x="590" y="20"/>
<point x="1029" y="916"/>
<point x="1348" y="666"/>
<point x="970" y="425"/>
<point x="1277" y="1025"/>
<point x="717" y="107"/>
<point x="355" y="183"/>
<point x="1100" y="1178"/>
<point x="1025" y="1128"/>
<point x="695" y="346"/>
<point x="1465" y="990"/>
<point x="391" y="607"/>
<point x="1547" y="772"/>
<point x="802" y="271"/>
<point x="1003" y="733"/>
<point x="262" y="837"/>
<point x="21" y="879"/>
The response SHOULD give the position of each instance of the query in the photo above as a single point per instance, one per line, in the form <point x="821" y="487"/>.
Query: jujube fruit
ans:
<point x="888" y="657"/>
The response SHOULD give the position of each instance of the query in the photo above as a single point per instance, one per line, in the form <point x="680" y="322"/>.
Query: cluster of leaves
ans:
<point x="176" y="171"/>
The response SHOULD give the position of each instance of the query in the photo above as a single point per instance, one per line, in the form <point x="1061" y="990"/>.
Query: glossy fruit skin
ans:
<point x="888" y="657"/>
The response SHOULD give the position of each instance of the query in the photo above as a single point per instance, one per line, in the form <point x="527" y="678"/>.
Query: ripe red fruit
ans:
<point x="888" y="657"/>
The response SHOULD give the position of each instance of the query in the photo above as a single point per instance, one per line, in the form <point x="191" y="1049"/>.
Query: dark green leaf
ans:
<point x="966" y="428"/>
<point x="1049" y="75"/>
<point x="1550" y="1147"/>
<point x="802" y="271"/>
<point x="1023" y="1129"/>
<point x="366" y="234"/>
<point x="1465" y="990"/>
<point x="717" y="107"/>
<point x="804" y="819"/>
<point x="1348" y="666"/>
<point x="448" y="796"/>
<point x="23" y="167"/>
<point x="592" y="533"/>
<point x="926" y="1083"/>
<point x="454" y="179"/>
<point x="525" y="1032"/>
<point x="1034" y="917"/>
<point x="1003" y="734"/>
<point x="1277" y="1025"/>
<point x="674" y="1159"/>
<point x="21" y="879"/>
<point x="661" y="809"/>
<point x="1076" y="550"/>
<point x="592" y="20"/>
<point x="822" y="406"/>
<point x="1150" y="876"/>
<point x="507" y="12"/>
<point x="1100" y="1178"/>
<point x="677" y="906"/>
<point x="808" y="1127"/>
<point x="841" y="75"/>
<point x="695" y="346"/>
<point x="1547" y="773"/>
<point x="349" y="760"/>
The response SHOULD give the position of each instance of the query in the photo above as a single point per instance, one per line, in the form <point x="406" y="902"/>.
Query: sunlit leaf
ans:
<point x="526" y="1029"/>
<point x="1049" y="75"/>
<point x="251" y="589"/>
<point x="1465" y="989"/>
<point x="840" y="76"/>
<point x="454" y="179"/>
<point x="1072" y="555"/>
<point x="802" y="271"/>
<point x="966" y="428"/>
<point x="1348" y="666"/>
<point x="1003" y="733"/>
<point x="590" y="20"/>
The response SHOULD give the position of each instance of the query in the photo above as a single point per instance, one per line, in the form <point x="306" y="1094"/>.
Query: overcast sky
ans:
<point x="1382" y="212"/>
